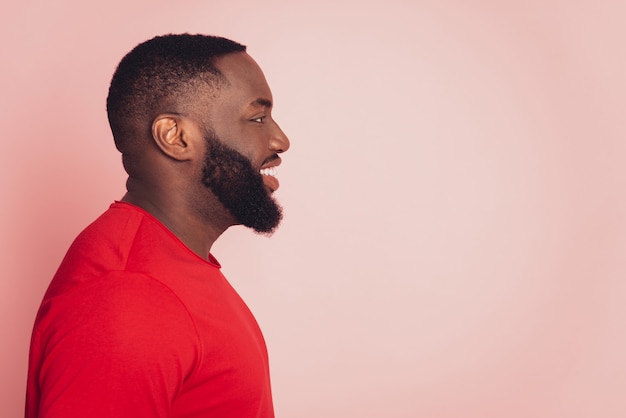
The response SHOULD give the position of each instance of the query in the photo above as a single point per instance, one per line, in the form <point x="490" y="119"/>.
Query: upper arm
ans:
<point x="121" y="347"/>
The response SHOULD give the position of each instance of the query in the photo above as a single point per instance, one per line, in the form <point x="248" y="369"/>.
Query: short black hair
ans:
<point x="158" y="72"/>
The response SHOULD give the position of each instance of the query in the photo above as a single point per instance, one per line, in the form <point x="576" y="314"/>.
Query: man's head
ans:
<point x="198" y="108"/>
<point x="157" y="76"/>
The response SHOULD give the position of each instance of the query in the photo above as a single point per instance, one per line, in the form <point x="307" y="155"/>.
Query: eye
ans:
<point x="260" y="119"/>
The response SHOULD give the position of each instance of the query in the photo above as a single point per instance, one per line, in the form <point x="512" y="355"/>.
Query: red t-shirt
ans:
<point x="134" y="324"/>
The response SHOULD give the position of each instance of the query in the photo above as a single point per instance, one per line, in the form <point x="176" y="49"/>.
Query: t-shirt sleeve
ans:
<point x="120" y="346"/>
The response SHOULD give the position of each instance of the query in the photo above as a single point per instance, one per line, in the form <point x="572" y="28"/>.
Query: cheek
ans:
<point x="247" y="149"/>
<point x="247" y="140"/>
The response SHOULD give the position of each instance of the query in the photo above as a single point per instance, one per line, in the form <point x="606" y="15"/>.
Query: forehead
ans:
<point x="245" y="81"/>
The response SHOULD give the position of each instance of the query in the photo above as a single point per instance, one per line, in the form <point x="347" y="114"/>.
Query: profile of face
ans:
<point x="242" y="146"/>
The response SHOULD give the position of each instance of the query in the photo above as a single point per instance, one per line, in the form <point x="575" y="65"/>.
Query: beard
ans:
<point x="239" y="187"/>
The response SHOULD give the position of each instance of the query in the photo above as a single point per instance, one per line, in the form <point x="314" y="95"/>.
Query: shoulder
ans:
<point x="121" y="312"/>
<point x="117" y="344"/>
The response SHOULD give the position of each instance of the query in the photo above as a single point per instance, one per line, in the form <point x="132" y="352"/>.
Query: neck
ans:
<point x="197" y="230"/>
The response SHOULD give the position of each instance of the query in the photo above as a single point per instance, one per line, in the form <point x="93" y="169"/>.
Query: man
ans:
<point x="138" y="320"/>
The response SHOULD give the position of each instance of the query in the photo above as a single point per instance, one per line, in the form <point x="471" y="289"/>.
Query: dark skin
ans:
<point x="167" y="180"/>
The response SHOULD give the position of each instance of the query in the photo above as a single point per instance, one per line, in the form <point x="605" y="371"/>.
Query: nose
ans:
<point x="279" y="141"/>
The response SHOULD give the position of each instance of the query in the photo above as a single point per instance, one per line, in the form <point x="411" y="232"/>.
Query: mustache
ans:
<point x="270" y="159"/>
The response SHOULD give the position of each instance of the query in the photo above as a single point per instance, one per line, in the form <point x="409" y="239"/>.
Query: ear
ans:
<point x="170" y="136"/>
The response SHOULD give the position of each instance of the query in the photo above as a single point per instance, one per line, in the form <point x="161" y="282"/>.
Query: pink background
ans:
<point x="456" y="219"/>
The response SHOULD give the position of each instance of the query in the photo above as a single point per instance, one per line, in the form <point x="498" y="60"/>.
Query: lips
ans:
<point x="269" y="172"/>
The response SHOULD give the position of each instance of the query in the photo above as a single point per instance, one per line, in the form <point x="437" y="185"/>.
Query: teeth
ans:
<point x="268" y="171"/>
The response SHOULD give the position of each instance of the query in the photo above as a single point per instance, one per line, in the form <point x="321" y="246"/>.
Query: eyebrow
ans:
<point x="261" y="102"/>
